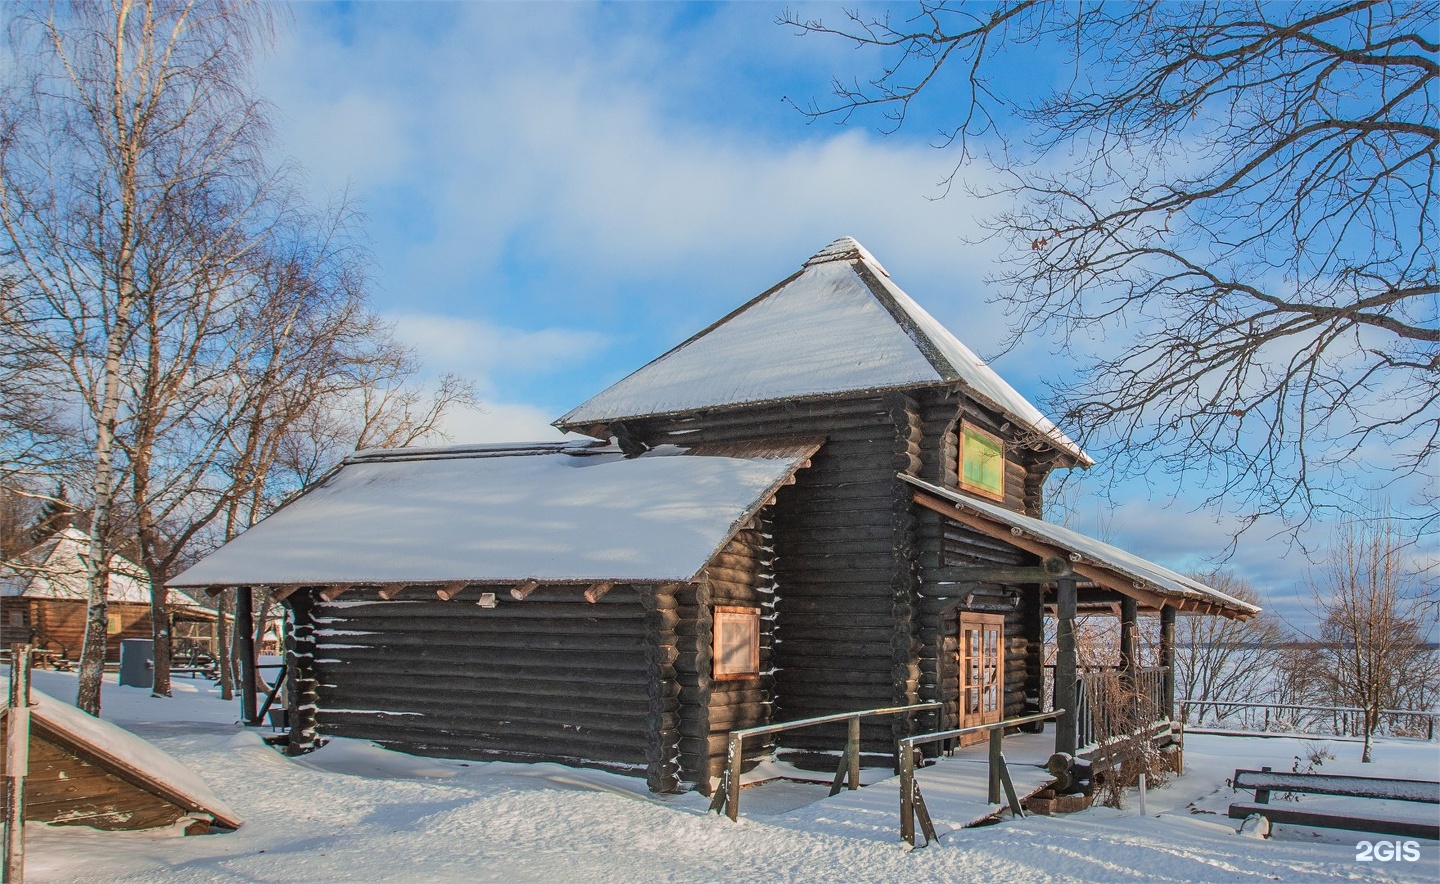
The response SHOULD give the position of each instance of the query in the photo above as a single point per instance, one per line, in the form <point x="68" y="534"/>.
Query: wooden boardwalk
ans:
<point x="955" y="790"/>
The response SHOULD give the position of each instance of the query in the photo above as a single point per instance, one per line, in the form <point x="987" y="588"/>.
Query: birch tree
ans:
<point x="120" y="119"/>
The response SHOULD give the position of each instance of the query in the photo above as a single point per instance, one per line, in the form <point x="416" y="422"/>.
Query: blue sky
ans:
<point x="556" y="193"/>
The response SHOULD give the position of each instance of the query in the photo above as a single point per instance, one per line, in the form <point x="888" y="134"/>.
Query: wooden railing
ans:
<point x="727" y="797"/>
<point x="1113" y="703"/>
<point x="912" y="803"/>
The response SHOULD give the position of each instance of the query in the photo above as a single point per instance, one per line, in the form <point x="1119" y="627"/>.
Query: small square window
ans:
<point x="737" y="642"/>
<point x="113" y="624"/>
<point x="17" y="618"/>
<point x="982" y="462"/>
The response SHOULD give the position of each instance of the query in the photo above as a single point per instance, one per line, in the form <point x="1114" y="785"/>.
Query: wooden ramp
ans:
<point x="955" y="790"/>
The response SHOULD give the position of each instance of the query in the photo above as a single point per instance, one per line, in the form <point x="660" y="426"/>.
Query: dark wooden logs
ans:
<point x="304" y="688"/>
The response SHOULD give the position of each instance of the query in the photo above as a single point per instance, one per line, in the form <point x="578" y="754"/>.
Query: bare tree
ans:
<point x="199" y="314"/>
<point x="1371" y="648"/>
<point x="1227" y="210"/>
<point x="1220" y="659"/>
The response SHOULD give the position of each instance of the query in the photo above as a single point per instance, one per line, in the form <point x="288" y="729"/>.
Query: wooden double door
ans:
<point x="982" y="671"/>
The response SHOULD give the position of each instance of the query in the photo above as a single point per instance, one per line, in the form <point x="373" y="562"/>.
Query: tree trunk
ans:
<point x="223" y="657"/>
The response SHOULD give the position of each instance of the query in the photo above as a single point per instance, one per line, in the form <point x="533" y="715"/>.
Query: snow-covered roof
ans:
<point x="1133" y="570"/>
<point x="55" y="569"/>
<point x="122" y="754"/>
<point x="839" y="326"/>
<point x="562" y="512"/>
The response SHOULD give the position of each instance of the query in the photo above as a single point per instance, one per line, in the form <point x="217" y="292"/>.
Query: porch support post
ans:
<point x="245" y="650"/>
<point x="1065" y="598"/>
<point x="1127" y="634"/>
<point x="1167" y="658"/>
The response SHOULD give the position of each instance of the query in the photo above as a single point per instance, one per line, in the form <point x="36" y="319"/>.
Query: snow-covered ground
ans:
<point x="355" y="812"/>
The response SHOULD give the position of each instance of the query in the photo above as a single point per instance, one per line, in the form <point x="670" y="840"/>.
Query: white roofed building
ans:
<point x="43" y="597"/>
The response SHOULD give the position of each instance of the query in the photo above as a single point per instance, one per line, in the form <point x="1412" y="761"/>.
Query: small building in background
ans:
<point x="43" y="603"/>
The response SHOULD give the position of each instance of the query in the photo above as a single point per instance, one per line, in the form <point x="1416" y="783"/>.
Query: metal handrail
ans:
<point x="912" y="803"/>
<point x="727" y="797"/>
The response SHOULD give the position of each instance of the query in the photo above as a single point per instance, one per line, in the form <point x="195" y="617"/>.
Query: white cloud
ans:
<point x="546" y="131"/>
<point x="476" y="348"/>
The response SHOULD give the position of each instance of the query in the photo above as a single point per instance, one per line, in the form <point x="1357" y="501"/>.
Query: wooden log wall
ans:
<point x="550" y="678"/>
<point x="304" y="688"/>
<point x="942" y="542"/>
<point x="662" y="725"/>
<point x="840" y="628"/>
<point x="743" y="574"/>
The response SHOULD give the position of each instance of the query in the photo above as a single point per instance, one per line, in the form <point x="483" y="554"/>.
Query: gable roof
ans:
<point x="1108" y="565"/>
<point x="838" y="326"/>
<point x="122" y="754"/>
<point x="55" y="569"/>
<point x="557" y="513"/>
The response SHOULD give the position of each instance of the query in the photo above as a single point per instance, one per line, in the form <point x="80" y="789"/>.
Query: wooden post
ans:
<point x="1015" y="809"/>
<point x="245" y="650"/>
<point x="907" y="793"/>
<point x="849" y="768"/>
<point x="996" y="736"/>
<point x="1127" y="634"/>
<point x="853" y="746"/>
<point x="1167" y="658"/>
<point x="1065" y="664"/>
<point x="17" y="764"/>
<point x="732" y="778"/>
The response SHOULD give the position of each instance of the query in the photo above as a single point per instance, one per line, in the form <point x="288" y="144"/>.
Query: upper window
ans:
<point x="982" y="462"/>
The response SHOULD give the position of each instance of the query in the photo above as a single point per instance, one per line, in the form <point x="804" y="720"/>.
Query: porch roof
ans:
<point x="1150" y="584"/>
<point x="554" y="513"/>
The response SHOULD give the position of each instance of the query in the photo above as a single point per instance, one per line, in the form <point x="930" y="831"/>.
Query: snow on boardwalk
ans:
<point x="956" y="790"/>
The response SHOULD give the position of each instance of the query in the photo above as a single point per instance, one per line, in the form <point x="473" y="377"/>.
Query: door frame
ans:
<point x="981" y="681"/>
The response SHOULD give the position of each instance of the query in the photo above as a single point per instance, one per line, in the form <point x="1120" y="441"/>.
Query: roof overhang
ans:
<point x="1152" y="586"/>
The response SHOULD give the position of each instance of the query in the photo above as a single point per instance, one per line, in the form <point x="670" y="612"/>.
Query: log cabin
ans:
<point x="43" y="603"/>
<point x="823" y="502"/>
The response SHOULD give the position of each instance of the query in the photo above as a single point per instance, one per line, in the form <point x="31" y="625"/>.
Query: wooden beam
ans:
<point x="283" y="593"/>
<point x="1030" y="544"/>
<point x="518" y="593"/>
<point x="446" y="593"/>
<point x="390" y="590"/>
<point x="597" y="591"/>
<point x="331" y="593"/>
<point x="1053" y="569"/>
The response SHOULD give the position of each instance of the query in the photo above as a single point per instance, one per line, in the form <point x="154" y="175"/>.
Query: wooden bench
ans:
<point x="1265" y="781"/>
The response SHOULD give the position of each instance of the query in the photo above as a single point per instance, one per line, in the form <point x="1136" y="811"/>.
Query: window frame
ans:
<point x="737" y="614"/>
<point x="960" y="432"/>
